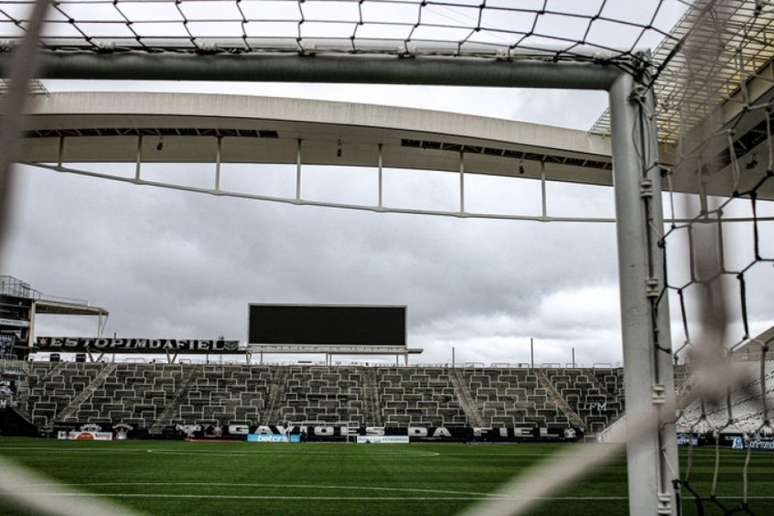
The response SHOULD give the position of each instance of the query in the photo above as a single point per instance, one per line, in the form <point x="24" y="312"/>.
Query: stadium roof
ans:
<point x="753" y="344"/>
<point x="187" y="128"/>
<point x="705" y="62"/>
<point x="55" y="307"/>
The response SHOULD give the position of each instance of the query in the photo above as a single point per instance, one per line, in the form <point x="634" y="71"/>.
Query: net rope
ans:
<point x="711" y="74"/>
<point x="403" y="27"/>
<point x="710" y="267"/>
<point x="601" y="31"/>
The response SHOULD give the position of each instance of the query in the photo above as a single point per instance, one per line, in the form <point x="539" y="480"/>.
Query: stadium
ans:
<point x="278" y="317"/>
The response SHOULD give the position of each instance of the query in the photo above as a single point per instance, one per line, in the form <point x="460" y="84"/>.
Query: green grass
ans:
<point x="342" y="479"/>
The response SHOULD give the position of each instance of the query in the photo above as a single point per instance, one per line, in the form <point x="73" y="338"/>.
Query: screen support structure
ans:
<point x="652" y="456"/>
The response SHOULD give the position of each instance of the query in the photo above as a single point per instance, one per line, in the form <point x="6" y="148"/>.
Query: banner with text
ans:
<point x="133" y="345"/>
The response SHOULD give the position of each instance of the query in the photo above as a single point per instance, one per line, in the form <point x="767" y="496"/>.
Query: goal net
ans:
<point x="691" y="130"/>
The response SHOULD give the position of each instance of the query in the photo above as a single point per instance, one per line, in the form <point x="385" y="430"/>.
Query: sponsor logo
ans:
<point x="213" y="431"/>
<point x="264" y="438"/>
<point x="761" y="444"/>
<point x="383" y="439"/>
<point x="75" y="435"/>
<point x="121" y="431"/>
<point x="189" y="430"/>
<point x="687" y="440"/>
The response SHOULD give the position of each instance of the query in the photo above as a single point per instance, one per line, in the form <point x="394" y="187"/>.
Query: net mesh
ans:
<point x="603" y="31"/>
<point x="720" y="262"/>
<point x="553" y="29"/>
<point x="712" y="76"/>
<point x="719" y="116"/>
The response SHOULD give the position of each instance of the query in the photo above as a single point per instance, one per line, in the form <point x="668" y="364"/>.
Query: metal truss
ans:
<point x="380" y="207"/>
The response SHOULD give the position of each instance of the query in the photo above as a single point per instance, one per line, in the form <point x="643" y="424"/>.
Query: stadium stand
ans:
<point x="587" y="397"/>
<point x="419" y="396"/>
<point x="325" y="394"/>
<point x="155" y="396"/>
<point x="742" y="412"/>
<point x="512" y="396"/>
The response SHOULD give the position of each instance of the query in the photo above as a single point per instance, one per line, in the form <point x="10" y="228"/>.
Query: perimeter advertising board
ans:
<point x="323" y="432"/>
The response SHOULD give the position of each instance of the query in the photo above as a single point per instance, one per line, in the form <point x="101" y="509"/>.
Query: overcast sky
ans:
<point x="183" y="265"/>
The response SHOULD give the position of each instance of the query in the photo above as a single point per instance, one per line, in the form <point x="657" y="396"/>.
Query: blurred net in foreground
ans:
<point x="715" y="270"/>
<point x="714" y="267"/>
<point x="712" y="78"/>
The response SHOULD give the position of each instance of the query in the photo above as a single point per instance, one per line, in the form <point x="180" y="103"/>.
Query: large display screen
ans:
<point x="327" y="325"/>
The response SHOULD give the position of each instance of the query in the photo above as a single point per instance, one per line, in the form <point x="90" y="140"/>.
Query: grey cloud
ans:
<point x="174" y="264"/>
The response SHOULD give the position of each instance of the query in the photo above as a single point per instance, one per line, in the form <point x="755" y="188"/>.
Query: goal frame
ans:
<point x="652" y="458"/>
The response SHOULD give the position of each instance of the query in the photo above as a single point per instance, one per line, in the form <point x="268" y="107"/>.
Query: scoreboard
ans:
<point x="355" y="325"/>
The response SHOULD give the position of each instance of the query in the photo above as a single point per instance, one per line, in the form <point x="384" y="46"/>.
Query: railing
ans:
<point x="11" y="286"/>
<point x="62" y="299"/>
<point x="231" y="360"/>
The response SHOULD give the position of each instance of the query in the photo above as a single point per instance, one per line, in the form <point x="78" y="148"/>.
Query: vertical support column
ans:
<point x="138" y="163"/>
<point x="543" y="200"/>
<point x="60" y="152"/>
<point x="651" y="456"/>
<point x="31" y="340"/>
<point x="381" y="178"/>
<point x="462" y="182"/>
<point x="298" y="169"/>
<point x="217" y="163"/>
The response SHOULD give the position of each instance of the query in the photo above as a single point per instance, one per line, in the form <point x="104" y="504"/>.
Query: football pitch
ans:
<point x="182" y="478"/>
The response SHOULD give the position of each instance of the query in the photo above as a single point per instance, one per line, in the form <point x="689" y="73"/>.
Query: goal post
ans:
<point x="652" y="462"/>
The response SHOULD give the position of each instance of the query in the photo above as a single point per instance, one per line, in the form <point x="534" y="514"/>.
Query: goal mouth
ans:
<point x="695" y="116"/>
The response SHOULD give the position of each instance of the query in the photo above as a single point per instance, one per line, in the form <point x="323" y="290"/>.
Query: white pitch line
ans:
<point x="401" y="455"/>
<point x="264" y="485"/>
<point x="403" y="499"/>
<point x="409" y="454"/>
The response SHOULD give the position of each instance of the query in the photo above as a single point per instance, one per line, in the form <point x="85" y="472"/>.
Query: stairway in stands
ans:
<point x="373" y="405"/>
<point x="35" y="381"/>
<point x="169" y="412"/>
<point x="72" y="408"/>
<point x="468" y="404"/>
<point x="278" y="387"/>
<point x="560" y="402"/>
